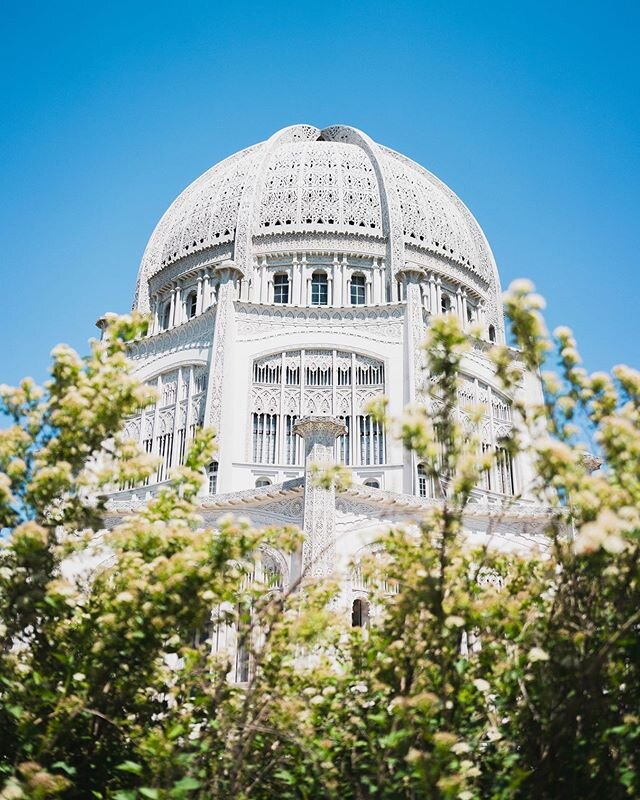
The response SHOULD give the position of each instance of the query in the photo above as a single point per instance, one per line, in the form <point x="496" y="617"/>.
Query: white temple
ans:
<point x="289" y="285"/>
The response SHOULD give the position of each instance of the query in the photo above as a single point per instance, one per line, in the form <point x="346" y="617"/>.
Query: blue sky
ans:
<point x="529" y="111"/>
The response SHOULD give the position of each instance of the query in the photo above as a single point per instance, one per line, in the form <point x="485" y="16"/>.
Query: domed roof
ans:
<point x="333" y="182"/>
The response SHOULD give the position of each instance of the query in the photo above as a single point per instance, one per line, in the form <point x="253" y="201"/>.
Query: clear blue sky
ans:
<point x="528" y="110"/>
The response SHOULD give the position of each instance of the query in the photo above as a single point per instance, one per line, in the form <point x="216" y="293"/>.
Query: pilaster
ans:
<point x="219" y="394"/>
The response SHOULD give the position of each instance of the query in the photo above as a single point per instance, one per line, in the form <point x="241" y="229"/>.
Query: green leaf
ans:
<point x="175" y="731"/>
<point x="146" y="791"/>
<point x="184" y="785"/>
<point x="130" y="766"/>
<point x="64" y="767"/>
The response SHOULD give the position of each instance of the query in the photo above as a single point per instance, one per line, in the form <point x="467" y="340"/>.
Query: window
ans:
<point x="265" y="438"/>
<point x="423" y="481"/>
<point x="371" y="441"/>
<point x="492" y="334"/>
<point x="330" y="378"/>
<point x="445" y="304"/>
<point x="191" y="304"/>
<point x="291" y="440"/>
<point x="360" y="613"/>
<point x="469" y="314"/>
<point x="373" y="483"/>
<point x="212" y="477"/>
<point x="504" y="471"/>
<point x="165" y="451"/>
<point x="243" y="651"/>
<point x="166" y="316"/>
<point x="358" y="288"/>
<point x="344" y="442"/>
<point x="319" y="289"/>
<point x="281" y="288"/>
<point x="262" y="482"/>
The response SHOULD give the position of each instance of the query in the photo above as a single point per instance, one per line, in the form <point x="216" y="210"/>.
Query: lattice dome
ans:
<point x="334" y="182"/>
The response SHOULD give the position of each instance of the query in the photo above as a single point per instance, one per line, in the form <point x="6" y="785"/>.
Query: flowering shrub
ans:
<point x="483" y="674"/>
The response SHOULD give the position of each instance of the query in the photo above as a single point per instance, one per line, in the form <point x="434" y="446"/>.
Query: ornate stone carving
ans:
<point x="379" y="323"/>
<point x="194" y="334"/>
<point x="328" y="184"/>
<point x="319" y="435"/>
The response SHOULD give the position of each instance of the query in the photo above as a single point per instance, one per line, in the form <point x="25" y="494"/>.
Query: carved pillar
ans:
<point x="206" y="292"/>
<point x="177" y="305"/>
<point x="414" y="360"/>
<point x="199" y="296"/>
<point x="220" y="401"/>
<point x="172" y="307"/>
<point x="318" y="552"/>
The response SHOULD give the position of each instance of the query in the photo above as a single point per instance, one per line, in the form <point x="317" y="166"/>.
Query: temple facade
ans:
<point x="290" y="285"/>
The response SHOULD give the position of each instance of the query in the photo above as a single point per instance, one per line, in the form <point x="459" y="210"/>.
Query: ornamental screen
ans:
<point x="298" y="383"/>
<point x="165" y="428"/>
<point x="495" y="423"/>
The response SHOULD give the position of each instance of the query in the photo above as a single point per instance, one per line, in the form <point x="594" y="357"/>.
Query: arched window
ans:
<point x="191" y="305"/>
<point x="492" y="334"/>
<point x="319" y="289"/>
<point x="281" y="288"/>
<point x="358" y="289"/>
<point x="373" y="483"/>
<point x="359" y="613"/>
<point x="262" y="482"/>
<point x="445" y="303"/>
<point x="166" y="316"/>
<point x="469" y="314"/>
<point x="212" y="477"/>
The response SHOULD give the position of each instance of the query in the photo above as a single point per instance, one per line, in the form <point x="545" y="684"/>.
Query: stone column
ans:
<point x="220" y="401"/>
<point x="172" y="308"/>
<point x="318" y="551"/>
<point x="199" y="296"/>
<point x="177" y="306"/>
<point x="414" y="357"/>
<point x="206" y="292"/>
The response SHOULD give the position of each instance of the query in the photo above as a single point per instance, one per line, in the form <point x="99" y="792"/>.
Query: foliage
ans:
<point x="483" y="674"/>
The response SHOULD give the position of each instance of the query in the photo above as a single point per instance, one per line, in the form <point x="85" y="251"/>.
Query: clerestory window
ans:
<point x="281" y="289"/>
<point x="191" y="305"/>
<point x="319" y="289"/>
<point x="358" y="289"/>
<point x="166" y="316"/>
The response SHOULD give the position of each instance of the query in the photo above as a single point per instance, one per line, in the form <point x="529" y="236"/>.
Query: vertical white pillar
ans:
<point x="337" y="282"/>
<point x="459" y="306"/>
<point x="199" y="296"/>
<point x="155" y="322"/>
<point x="172" y="308"/>
<point x="353" y="444"/>
<point x="177" y="305"/>
<point x="220" y="387"/>
<point x="175" y="452"/>
<point x="295" y="281"/>
<point x="319" y="517"/>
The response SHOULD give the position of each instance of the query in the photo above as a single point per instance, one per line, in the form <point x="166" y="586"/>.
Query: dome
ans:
<point x="330" y="190"/>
